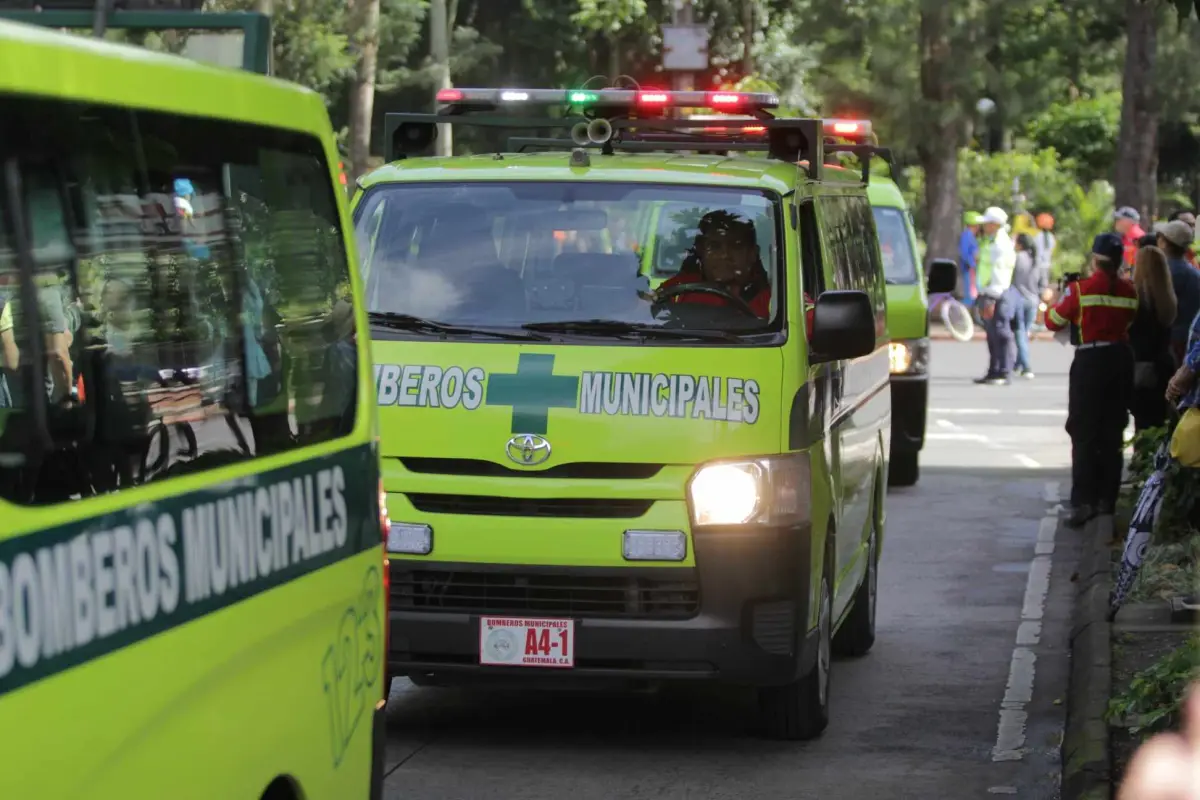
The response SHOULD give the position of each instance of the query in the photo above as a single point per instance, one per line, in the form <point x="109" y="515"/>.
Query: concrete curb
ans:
<point x="1087" y="763"/>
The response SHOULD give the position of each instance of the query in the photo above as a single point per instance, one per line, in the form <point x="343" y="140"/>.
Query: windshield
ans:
<point x="899" y="262"/>
<point x="510" y="255"/>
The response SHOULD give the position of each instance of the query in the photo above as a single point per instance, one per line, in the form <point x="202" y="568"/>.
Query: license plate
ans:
<point x="524" y="642"/>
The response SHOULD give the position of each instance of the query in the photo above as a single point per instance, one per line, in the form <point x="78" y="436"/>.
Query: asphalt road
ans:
<point x="961" y="697"/>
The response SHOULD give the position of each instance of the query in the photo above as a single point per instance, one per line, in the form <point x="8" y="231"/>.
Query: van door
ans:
<point x="851" y="441"/>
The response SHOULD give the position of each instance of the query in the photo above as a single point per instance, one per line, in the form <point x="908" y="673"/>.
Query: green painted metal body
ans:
<point x="255" y="28"/>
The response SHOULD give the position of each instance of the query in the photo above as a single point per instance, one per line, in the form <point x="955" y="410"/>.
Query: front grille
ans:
<point x="475" y="467"/>
<point x="528" y="507"/>
<point x="545" y="594"/>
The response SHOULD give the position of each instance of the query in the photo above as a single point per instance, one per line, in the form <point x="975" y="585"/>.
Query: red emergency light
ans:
<point x="449" y="95"/>
<point x="653" y="98"/>
<point x="848" y="128"/>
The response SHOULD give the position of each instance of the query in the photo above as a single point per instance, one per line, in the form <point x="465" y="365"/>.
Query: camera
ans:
<point x="1149" y="240"/>
<point x="1067" y="279"/>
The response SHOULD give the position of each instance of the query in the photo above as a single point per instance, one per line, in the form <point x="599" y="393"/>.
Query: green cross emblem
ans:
<point x="532" y="391"/>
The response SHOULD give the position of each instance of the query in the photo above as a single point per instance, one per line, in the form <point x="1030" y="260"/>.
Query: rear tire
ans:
<point x="800" y="710"/>
<point x="857" y="634"/>
<point x="905" y="468"/>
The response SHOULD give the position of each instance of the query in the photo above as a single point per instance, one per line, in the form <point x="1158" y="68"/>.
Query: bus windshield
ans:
<point x="899" y="261"/>
<point x="510" y="255"/>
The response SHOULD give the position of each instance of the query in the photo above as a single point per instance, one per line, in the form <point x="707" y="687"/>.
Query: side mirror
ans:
<point x="843" y="326"/>
<point x="943" y="276"/>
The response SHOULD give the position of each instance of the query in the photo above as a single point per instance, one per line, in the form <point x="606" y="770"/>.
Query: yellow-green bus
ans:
<point x="192" y="576"/>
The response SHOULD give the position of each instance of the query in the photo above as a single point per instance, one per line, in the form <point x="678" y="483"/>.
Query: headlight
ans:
<point x="908" y="356"/>
<point x="765" y="491"/>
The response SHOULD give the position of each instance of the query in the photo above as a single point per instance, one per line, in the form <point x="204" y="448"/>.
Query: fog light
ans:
<point x="410" y="538"/>
<point x="654" y="546"/>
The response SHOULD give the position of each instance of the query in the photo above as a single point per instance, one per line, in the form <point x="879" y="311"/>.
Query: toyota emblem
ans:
<point x="528" y="449"/>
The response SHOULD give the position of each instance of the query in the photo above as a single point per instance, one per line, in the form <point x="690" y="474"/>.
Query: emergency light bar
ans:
<point x="608" y="98"/>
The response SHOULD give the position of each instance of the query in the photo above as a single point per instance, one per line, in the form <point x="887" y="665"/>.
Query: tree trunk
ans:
<point x="1136" y="179"/>
<point x="364" y="16"/>
<point x="996" y="139"/>
<point x="938" y="151"/>
<point x="748" y="37"/>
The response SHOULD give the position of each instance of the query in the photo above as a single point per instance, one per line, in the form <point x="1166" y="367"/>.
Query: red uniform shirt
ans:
<point x="760" y="303"/>
<point x="1103" y="307"/>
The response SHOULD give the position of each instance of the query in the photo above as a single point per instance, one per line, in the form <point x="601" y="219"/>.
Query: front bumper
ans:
<point x="740" y="616"/>
<point x="910" y="406"/>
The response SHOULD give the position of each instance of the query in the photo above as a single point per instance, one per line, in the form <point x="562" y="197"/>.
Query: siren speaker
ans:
<point x="599" y="131"/>
<point x="579" y="134"/>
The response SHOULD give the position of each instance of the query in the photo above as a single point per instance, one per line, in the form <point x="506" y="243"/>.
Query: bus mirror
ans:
<point x="943" y="276"/>
<point x="843" y="326"/>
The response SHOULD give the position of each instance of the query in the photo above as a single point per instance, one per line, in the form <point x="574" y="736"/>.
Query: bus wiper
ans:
<point x="408" y="322"/>
<point x="615" y="327"/>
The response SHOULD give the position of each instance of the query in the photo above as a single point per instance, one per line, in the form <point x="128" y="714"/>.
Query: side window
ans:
<point x="190" y="291"/>
<point x="838" y="242"/>
<point x="812" y="265"/>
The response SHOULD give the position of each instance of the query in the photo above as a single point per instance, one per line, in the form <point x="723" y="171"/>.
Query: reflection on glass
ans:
<point x="899" y="262"/>
<point x="191" y="300"/>
<point x="504" y="256"/>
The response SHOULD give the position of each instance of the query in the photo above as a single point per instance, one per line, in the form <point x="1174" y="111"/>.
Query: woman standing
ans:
<point x="1029" y="283"/>
<point x="1150" y="338"/>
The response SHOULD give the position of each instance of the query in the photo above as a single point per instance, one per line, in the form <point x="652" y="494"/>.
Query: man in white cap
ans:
<point x="1127" y="224"/>
<point x="997" y="254"/>
<point x="997" y="304"/>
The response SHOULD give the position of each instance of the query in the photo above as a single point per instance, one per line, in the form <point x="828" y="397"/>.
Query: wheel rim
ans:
<point x="872" y="582"/>
<point x="824" y="645"/>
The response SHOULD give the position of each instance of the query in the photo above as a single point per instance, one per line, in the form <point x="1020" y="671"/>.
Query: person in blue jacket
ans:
<point x="968" y="255"/>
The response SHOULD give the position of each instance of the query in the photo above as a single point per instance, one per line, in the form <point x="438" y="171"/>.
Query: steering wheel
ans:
<point x="704" y="288"/>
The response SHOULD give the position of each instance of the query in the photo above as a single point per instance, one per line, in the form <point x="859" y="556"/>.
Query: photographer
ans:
<point x="1099" y="309"/>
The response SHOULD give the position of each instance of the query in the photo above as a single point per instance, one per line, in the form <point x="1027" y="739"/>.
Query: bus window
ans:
<point x="192" y="298"/>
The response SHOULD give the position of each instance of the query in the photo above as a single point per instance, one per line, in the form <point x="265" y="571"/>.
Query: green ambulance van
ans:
<point x="589" y="482"/>
<point x="193" y="579"/>
<point x="908" y="325"/>
<point x="908" y="301"/>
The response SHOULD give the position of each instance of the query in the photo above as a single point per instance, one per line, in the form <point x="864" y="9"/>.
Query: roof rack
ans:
<point x="617" y="119"/>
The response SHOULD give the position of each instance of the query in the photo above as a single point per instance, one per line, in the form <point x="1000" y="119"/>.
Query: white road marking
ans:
<point x="1002" y="790"/>
<point x="1026" y="461"/>
<point x="950" y="426"/>
<point x="1050" y="492"/>
<point x="957" y="437"/>
<point x="995" y="412"/>
<point x="1010" y="733"/>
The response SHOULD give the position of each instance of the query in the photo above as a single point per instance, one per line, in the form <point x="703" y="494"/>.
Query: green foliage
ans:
<point x="609" y="16"/>
<point x="1152" y="699"/>
<point x="1048" y="184"/>
<point x="1145" y="445"/>
<point x="1179" y="505"/>
<point x="1083" y="132"/>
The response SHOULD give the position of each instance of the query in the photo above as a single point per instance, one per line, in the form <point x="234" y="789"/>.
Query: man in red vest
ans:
<point x="1099" y="310"/>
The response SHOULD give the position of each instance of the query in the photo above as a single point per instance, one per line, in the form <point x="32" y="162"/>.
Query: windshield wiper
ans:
<point x="407" y="322"/>
<point x="615" y="327"/>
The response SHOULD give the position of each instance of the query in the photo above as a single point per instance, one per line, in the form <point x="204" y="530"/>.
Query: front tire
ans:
<point x="904" y="469"/>
<point x="857" y="634"/>
<point x="800" y="710"/>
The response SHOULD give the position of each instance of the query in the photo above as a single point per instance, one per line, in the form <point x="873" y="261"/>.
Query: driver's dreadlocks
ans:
<point x="724" y="223"/>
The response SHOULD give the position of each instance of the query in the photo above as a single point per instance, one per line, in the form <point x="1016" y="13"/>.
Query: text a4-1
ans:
<point x="521" y="642"/>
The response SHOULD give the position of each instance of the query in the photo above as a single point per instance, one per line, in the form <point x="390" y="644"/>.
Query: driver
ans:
<point x="725" y="256"/>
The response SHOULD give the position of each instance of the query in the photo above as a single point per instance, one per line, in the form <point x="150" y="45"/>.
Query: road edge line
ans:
<point x="1086" y="759"/>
